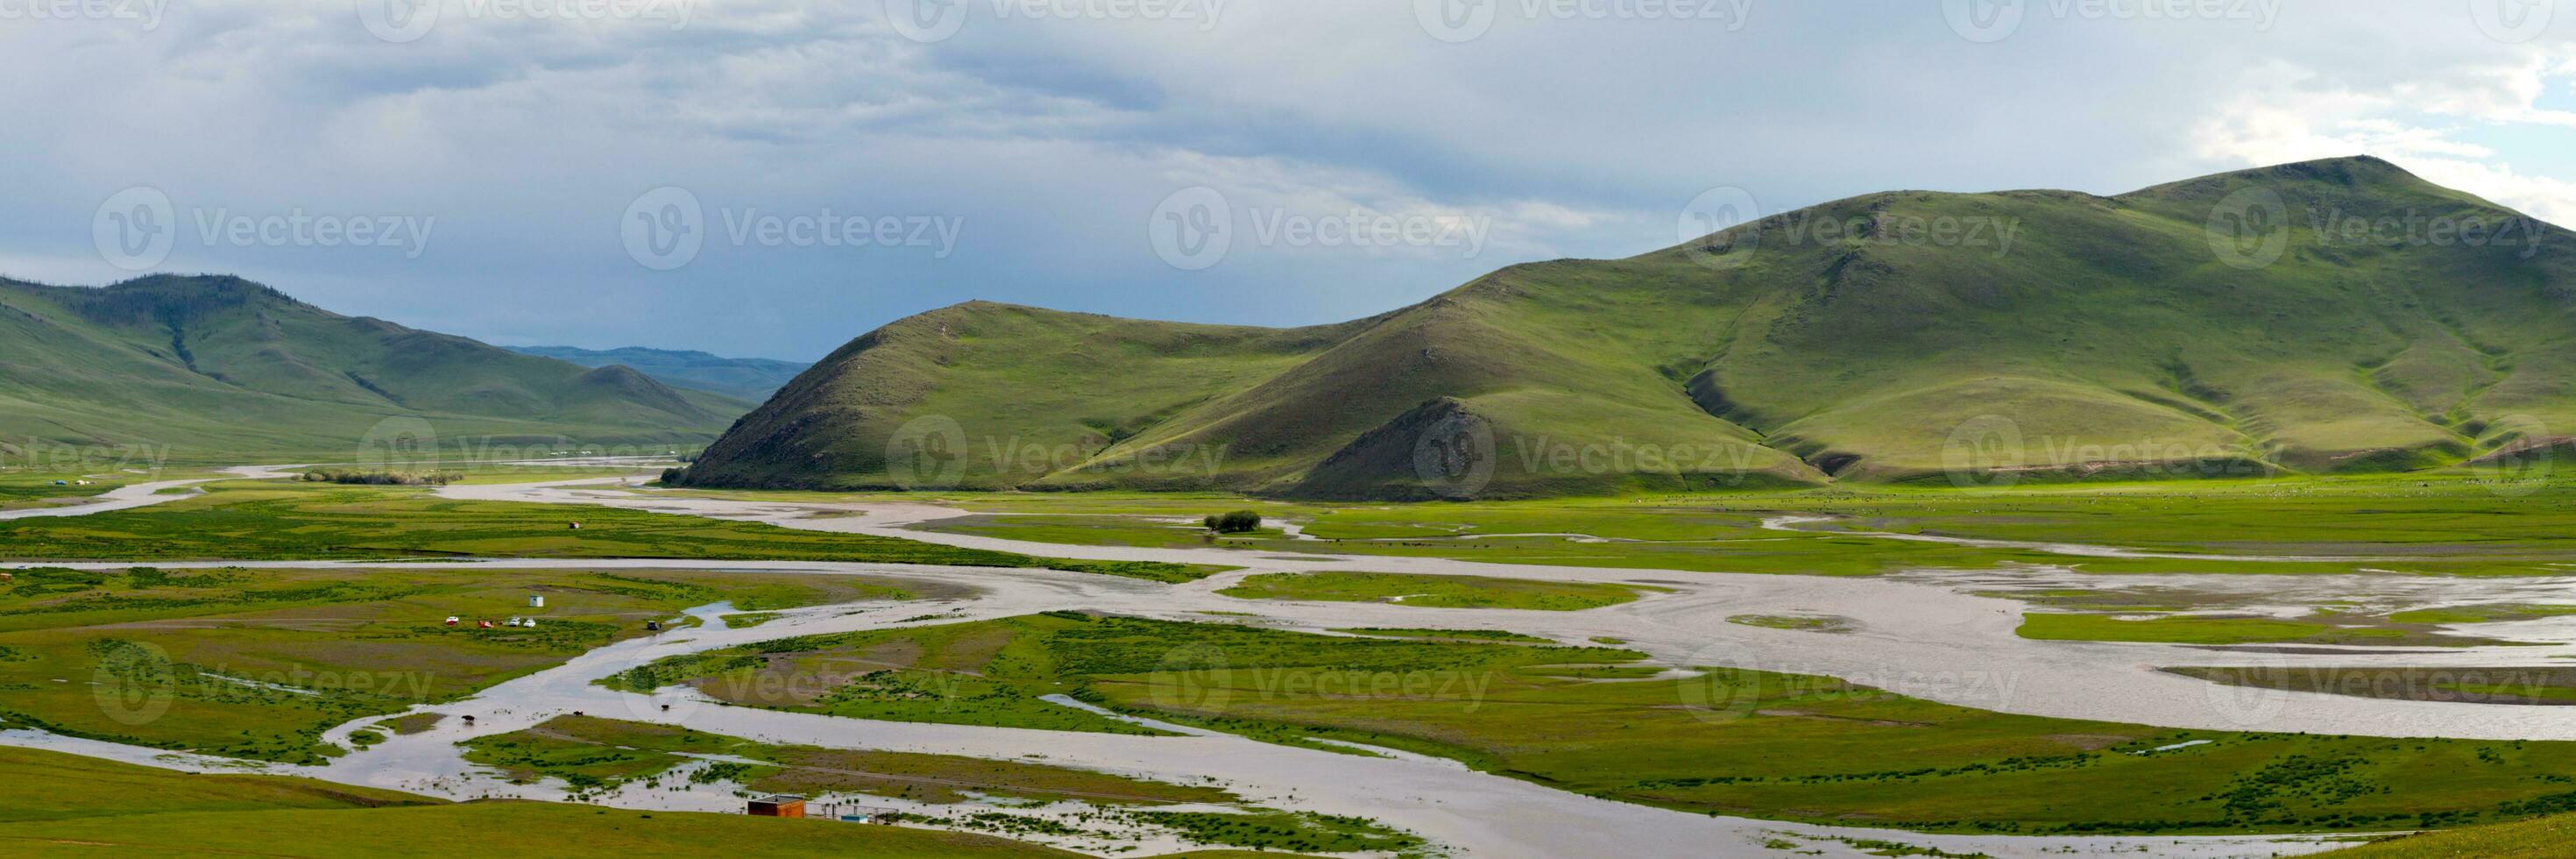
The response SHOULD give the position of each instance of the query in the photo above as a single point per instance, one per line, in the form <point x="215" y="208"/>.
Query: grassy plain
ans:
<point x="257" y="663"/>
<point x="1730" y="742"/>
<point x="274" y="520"/>
<point x="2459" y="522"/>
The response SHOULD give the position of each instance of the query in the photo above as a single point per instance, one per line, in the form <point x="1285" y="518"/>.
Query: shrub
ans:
<point x="382" y="478"/>
<point x="1237" y="522"/>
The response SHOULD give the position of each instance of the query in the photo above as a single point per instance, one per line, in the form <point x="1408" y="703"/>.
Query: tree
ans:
<point x="1237" y="522"/>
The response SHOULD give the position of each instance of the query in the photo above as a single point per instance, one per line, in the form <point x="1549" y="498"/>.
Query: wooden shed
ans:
<point x="778" y="805"/>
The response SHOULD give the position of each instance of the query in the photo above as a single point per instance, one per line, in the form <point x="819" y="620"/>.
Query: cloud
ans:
<point x="1053" y="139"/>
<point x="2293" y="113"/>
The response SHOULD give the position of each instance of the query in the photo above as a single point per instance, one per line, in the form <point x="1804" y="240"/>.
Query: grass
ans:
<point x="1801" y="623"/>
<point x="270" y="520"/>
<point x="1447" y="634"/>
<point x="2547" y="836"/>
<point x="2482" y="614"/>
<point x="1433" y="591"/>
<point x="590" y="752"/>
<point x="49" y="786"/>
<point x="2317" y="629"/>
<point x="2446" y="524"/>
<point x="494" y="829"/>
<point x="1727" y="742"/>
<point x="966" y="674"/>
<point x="257" y="664"/>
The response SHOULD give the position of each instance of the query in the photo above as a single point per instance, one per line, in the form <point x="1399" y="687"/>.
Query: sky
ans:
<point x="770" y="178"/>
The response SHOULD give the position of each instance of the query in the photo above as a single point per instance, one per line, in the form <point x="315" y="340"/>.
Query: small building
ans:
<point x="777" y="805"/>
<point x="536" y="600"/>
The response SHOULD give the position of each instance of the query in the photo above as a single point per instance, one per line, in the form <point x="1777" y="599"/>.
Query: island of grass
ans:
<point x="1434" y="591"/>
<point x="2329" y="628"/>
<point x="1722" y="741"/>
<point x="1446" y="634"/>
<point x="589" y="753"/>
<point x="271" y="520"/>
<point x="1799" y="622"/>
<point x="259" y="663"/>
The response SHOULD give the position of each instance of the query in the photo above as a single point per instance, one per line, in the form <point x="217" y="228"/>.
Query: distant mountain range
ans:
<point x="2329" y="316"/>
<point x="222" y="369"/>
<point x="751" y="379"/>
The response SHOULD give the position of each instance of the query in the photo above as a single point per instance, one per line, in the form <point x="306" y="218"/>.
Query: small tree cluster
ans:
<point x="382" y="478"/>
<point x="1237" y="522"/>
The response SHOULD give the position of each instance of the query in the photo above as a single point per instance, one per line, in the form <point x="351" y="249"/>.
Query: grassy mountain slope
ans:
<point x="1892" y="336"/>
<point x="752" y="379"/>
<point x="217" y="367"/>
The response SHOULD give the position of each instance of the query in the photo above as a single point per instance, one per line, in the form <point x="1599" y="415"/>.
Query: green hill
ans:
<point x="752" y="379"/>
<point x="217" y="368"/>
<point x="1889" y="337"/>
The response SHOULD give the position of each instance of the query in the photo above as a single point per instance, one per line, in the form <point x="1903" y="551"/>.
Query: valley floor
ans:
<point x="1930" y="619"/>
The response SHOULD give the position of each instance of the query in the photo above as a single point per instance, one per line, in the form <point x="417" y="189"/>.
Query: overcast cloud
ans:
<point x="490" y="167"/>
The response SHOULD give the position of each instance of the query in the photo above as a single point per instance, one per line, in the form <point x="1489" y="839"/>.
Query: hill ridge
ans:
<point x="2095" y="335"/>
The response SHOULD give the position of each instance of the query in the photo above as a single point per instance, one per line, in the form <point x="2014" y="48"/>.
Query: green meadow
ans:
<point x="258" y="663"/>
<point x="2460" y="522"/>
<point x="591" y="753"/>
<point x="274" y="520"/>
<point x="1726" y="741"/>
<point x="588" y="752"/>
<point x="1432" y="591"/>
<point x="2320" y="628"/>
